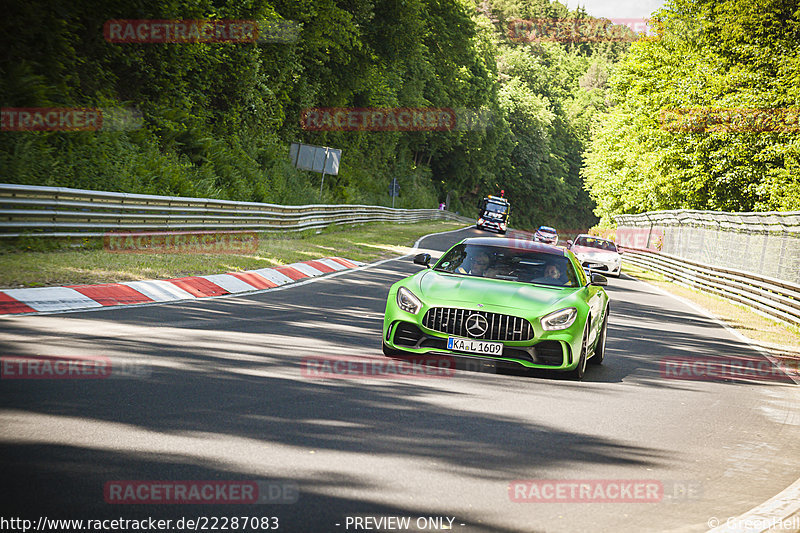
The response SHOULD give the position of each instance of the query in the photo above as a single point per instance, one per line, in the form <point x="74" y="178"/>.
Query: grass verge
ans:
<point x="368" y="242"/>
<point x="775" y="336"/>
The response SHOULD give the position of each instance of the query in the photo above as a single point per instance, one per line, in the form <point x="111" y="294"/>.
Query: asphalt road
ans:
<point x="215" y="390"/>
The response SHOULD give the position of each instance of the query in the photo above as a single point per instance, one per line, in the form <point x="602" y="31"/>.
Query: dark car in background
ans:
<point x="493" y="213"/>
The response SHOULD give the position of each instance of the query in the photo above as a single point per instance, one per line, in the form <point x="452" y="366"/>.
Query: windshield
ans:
<point x="600" y="244"/>
<point x="511" y="264"/>
<point x="496" y="208"/>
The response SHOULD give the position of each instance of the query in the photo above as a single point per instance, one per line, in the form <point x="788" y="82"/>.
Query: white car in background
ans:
<point x="597" y="254"/>
<point x="546" y="234"/>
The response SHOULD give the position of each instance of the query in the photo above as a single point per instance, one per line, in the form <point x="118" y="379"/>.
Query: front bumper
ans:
<point x="552" y="350"/>
<point x="602" y="266"/>
<point x="492" y="225"/>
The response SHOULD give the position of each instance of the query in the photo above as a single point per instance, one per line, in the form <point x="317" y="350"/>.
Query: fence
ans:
<point x="61" y="212"/>
<point x="763" y="243"/>
<point x="749" y="258"/>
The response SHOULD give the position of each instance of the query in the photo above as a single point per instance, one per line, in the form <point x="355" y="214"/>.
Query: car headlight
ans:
<point x="407" y="301"/>
<point x="560" y="319"/>
<point x="480" y="221"/>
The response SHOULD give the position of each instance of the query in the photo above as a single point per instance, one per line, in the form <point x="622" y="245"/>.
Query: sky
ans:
<point x="617" y="8"/>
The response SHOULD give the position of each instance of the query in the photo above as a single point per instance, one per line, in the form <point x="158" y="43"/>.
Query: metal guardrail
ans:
<point x="775" y="298"/>
<point x="767" y="243"/>
<point x="27" y="210"/>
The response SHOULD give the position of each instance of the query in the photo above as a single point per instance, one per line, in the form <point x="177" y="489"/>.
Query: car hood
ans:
<point x="438" y="289"/>
<point x="591" y="250"/>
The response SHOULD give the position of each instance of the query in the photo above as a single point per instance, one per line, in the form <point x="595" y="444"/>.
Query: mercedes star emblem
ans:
<point x="477" y="325"/>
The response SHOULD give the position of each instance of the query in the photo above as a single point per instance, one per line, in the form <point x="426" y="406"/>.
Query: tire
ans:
<point x="600" y="347"/>
<point x="579" y="371"/>
<point x="391" y="352"/>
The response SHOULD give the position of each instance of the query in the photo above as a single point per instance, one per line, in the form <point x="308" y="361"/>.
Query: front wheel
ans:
<point x="600" y="348"/>
<point x="580" y="370"/>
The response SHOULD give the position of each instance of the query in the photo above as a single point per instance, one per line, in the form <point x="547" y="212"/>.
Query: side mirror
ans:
<point x="569" y="243"/>
<point x="422" y="259"/>
<point x="599" y="280"/>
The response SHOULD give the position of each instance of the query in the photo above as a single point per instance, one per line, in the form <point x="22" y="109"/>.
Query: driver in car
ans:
<point x="476" y="265"/>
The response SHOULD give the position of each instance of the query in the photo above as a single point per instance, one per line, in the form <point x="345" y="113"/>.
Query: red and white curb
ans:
<point x="74" y="297"/>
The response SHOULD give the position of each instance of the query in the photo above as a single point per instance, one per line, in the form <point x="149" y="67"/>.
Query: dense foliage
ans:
<point x="735" y="56"/>
<point x="218" y="118"/>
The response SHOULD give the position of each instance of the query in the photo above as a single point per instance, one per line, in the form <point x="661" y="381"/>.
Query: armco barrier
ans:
<point x="62" y="212"/>
<point x="775" y="298"/>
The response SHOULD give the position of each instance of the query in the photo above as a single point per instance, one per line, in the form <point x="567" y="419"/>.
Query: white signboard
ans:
<point x="315" y="158"/>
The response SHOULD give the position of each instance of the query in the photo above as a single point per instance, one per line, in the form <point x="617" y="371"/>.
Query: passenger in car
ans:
<point x="553" y="275"/>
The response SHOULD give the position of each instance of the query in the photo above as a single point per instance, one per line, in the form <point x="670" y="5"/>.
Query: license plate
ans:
<point x="473" y="346"/>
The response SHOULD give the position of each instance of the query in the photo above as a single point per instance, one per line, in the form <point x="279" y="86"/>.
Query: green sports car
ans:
<point x="511" y="302"/>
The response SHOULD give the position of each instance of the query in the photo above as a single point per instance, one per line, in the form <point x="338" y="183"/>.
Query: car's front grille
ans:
<point x="464" y="323"/>
<point x="594" y="266"/>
